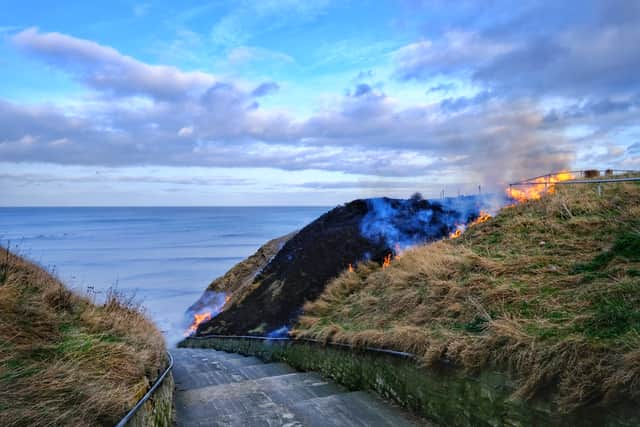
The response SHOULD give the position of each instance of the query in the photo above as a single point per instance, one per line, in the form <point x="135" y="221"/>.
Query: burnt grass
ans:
<point x="319" y="252"/>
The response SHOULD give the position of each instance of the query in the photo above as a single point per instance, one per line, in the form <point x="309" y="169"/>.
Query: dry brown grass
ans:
<point x="238" y="281"/>
<point x="65" y="360"/>
<point x="548" y="290"/>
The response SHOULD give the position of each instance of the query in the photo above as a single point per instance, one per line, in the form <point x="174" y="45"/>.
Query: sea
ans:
<point x="162" y="257"/>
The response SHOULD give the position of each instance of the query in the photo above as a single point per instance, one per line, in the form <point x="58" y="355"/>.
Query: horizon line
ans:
<point x="161" y="206"/>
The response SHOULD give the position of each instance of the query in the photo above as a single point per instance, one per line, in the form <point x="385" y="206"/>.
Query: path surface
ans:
<point x="214" y="388"/>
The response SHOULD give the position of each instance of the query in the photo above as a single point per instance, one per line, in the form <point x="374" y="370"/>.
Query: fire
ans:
<point x="197" y="320"/>
<point x="483" y="217"/>
<point x="350" y="268"/>
<point x="538" y="187"/>
<point x="387" y="261"/>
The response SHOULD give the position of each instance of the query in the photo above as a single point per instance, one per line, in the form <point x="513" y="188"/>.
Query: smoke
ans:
<point x="401" y="224"/>
<point x="471" y="206"/>
<point x="210" y="302"/>
<point x="282" y="332"/>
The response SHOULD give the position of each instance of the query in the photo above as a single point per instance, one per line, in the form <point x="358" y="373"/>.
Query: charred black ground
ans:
<point x="360" y="230"/>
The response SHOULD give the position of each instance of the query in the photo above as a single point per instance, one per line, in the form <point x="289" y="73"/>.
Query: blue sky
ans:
<point x="309" y="102"/>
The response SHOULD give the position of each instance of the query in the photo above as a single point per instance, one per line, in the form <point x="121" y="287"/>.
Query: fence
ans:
<point x="589" y="176"/>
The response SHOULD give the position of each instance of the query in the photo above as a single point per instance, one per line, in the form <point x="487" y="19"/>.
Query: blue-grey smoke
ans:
<point x="282" y="332"/>
<point x="210" y="302"/>
<point x="402" y="223"/>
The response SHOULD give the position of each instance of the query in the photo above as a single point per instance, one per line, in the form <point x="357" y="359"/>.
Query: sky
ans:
<point x="309" y="102"/>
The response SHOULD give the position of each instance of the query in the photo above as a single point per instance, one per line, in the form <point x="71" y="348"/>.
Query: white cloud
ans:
<point x="186" y="131"/>
<point x="161" y="115"/>
<point x="104" y="68"/>
<point x="455" y="52"/>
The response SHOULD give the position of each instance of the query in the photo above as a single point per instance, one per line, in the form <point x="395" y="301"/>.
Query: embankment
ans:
<point x="547" y="293"/>
<point x="65" y="360"/>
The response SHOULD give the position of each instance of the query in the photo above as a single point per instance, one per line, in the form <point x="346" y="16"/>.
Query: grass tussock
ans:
<point x="548" y="290"/>
<point x="65" y="360"/>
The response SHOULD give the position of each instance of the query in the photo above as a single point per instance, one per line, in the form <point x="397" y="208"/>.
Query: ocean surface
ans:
<point x="164" y="256"/>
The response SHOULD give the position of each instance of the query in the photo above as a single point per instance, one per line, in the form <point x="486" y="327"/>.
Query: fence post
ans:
<point x="546" y="183"/>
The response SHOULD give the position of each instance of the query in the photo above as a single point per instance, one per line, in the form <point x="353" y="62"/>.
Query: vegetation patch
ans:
<point x="547" y="291"/>
<point x="65" y="360"/>
<point x="612" y="317"/>
<point x="626" y="247"/>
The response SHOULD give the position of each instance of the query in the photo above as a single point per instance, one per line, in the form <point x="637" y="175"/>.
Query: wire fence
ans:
<point x="588" y="176"/>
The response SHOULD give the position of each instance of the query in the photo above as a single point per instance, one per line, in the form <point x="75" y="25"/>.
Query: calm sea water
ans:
<point x="165" y="256"/>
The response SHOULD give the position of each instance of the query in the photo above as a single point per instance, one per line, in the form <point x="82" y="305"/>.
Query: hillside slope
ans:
<point x="239" y="278"/>
<point x="65" y="360"/>
<point x="299" y="271"/>
<point x="244" y="272"/>
<point x="548" y="290"/>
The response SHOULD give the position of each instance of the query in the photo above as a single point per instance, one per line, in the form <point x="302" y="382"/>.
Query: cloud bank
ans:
<point x="529" y="97"/>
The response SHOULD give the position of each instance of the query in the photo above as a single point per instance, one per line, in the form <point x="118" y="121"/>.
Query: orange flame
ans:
<point x="350" y="268"/>
<point x="456" y="234"/>
<point x="539" y="187"/>
<point x="483" y="217"/>
<point x="387" y="261"/>
<point x="197" y="320"/>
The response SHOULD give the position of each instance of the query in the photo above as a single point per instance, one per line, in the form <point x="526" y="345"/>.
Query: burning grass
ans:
<point x="539" y="186"/>
<point x="548" y="290"/>
<point x="65" y="360"/>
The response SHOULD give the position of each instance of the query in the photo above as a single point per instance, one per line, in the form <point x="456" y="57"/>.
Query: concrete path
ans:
<point x="214" y="388"/>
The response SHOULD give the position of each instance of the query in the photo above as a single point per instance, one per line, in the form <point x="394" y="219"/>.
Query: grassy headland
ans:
<point x="237" y="281"/>
<point x="548" y="290"/>
<point x="65" y="360"/>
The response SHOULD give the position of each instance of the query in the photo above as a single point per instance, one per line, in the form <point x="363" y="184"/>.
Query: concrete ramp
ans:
<point x="214" y="388"/>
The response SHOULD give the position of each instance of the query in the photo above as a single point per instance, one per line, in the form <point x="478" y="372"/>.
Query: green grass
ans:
<point x="75" y="343"/>
<point x="627" y="247"/>
<point x="477" y="325"/>
<point x="17" y="369"/>
<point x="614" y="315"/>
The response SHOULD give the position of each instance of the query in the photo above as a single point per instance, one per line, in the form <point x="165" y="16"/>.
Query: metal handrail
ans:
<point x="331" y="344"/>
<point x="581" y="172"/>
<point x="532" y="181"/>
<point x="147" y="395"/>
